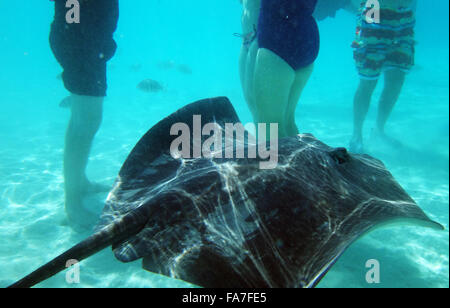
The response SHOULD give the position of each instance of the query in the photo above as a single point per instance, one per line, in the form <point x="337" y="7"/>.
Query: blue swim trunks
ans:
<point x="287" y="28"/>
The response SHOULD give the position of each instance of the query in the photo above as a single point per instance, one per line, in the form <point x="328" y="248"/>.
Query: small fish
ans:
<point x="172" y="65"/>
<point x="185" y="69"/>
<point x="150" y="85"/>
<point x="136" y="67"/>
<point x="66" y="102"/>
<point x="417" y="68"/>
<point x="166" y="65"/>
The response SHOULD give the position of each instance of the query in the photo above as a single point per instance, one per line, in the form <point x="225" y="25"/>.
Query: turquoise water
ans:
<point x="199" y="34"/>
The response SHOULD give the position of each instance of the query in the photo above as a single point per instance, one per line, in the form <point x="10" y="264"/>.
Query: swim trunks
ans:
<point x="287" y="28"/>
<point x="386" y="45"/>
<point x="84" y="49"/>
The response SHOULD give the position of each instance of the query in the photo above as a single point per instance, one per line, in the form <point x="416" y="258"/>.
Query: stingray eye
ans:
<point x="340" y="155"/>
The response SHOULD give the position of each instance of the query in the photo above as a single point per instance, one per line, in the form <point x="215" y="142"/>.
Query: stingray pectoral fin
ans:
<point x="402" y="221"/>
<point x="116" y="232"/>
<point x="410" y="222"/>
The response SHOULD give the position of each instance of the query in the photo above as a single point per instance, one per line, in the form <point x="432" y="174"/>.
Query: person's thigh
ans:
<point x="86" y="114"/>
<point x="394" y="79"/>
<point x="273" y="81"/>
<point x="250" y="73"/>
<point x="301" y="79"/>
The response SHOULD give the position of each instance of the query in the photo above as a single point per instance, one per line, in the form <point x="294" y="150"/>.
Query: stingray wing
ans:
<point x="150" y="166"/>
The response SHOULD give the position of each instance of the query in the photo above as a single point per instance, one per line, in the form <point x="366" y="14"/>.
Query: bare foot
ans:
<point x="94" y="188"/>
<point x="356" y="145"/>
<point x="83" y="209"/>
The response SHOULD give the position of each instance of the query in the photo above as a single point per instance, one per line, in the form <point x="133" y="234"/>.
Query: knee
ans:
<point x="85" y="127"/>
<point x="394" y="79"/>
<point x="84" y="124"/>
<point x="270" y="117"/>
<point x="368" y="85"/>
<point x="366" y="88"/>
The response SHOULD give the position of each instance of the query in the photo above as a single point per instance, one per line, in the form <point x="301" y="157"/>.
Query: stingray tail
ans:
<point x="114" y="233"/>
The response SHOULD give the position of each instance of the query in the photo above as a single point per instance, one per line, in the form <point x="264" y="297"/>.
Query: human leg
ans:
<point x="85" y="120"/>
<point x="83" y="51"/>
<point x="361" y="104"/>
<point x="273" y="80"/>
<point x="301" y="78"/>
<point x="393" y="84"/>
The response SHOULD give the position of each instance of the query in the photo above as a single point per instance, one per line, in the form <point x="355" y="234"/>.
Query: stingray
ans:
<point x="225" y="222"/>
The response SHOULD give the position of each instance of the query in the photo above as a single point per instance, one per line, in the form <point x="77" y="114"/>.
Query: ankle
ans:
<point x="357" y="137"/>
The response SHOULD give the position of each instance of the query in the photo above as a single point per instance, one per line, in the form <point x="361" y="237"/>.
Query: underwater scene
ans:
<point x="95" y="92"/>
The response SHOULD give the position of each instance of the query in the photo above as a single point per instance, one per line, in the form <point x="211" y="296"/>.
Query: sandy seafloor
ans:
<point x="32" y="221"/>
